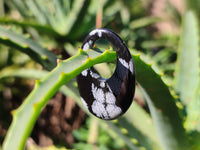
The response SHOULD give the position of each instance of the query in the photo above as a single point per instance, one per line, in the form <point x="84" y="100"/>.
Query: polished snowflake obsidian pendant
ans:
<point x="108" y="98"/>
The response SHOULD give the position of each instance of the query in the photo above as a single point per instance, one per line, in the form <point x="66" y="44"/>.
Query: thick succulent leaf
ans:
<point x="143" y="122"/>
<point x="123" y="137"/>
<point x="64" y="18"/>
<point x="44" y="89"/>
<point x="169" y="125"/>
<point x="162" y="104"/>
<point x="32" y="146"/>
<point x="187" y="71"/>
<point x="29" y="23"/>
<point x="14" y="71"/>
<point x="139" y="138"/>
<point x="144" y="139"/>
<point x="74" y="17"/>
<point x="19" y="5"/>
<point x="192" y="122"/>
<point x="187" y="67"/>
<point x="85" y="19"/>
<point x="143" y="22"/>
<point x="28" y="46"/>
<point x="26" y="115"/>
<point x="38" y="11"/>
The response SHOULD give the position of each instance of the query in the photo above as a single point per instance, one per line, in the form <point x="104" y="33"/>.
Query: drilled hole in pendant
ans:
<point x="105" y="69"/>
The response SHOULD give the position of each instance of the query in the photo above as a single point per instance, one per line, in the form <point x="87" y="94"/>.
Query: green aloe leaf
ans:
<point x="73" y="18"/>
<point x="141" y="120"/>
<point x="169" y="125"/>
<point x="143" y="134"/>
<point x="162" y="105"/>
<point x="29" y="23"/>
<point x="143" y="22"/>
<point x="139" y="138"/>
<point x="193" y="118"/>
<point x="68" y="90"/>
<point x="19" y="5"/>
<point x="29" y="47"/>
<point x="85" y="18"/>
<point x="26" y="115"/>
<point x="50" y="84"/>
<point x="52" y="147"/>
<point x="123" y="137"/>
<point x="187" y="67"/>
<point x="22" y="73"/>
